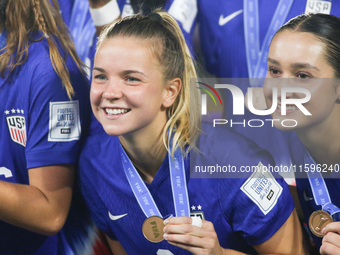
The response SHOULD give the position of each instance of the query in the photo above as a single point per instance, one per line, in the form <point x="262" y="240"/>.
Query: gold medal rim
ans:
<point x="310" y="221"/>
<point x="161" y="230"/>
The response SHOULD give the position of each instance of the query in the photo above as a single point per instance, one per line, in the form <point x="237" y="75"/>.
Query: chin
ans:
<point x="285" y="128"/>
<point x="112" y="131"/>
<point x="285" y="124"/>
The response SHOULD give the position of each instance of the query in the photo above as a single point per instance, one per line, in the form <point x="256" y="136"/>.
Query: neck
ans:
<point x="146" y="152"/>
<point x="323" y="143"/>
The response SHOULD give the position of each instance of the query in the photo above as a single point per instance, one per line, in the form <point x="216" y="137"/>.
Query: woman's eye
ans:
<point x="273" y="71"/>
<point x="100" y="77"/>
<point x="131" y="79"/>
<point x="303" y="75"/>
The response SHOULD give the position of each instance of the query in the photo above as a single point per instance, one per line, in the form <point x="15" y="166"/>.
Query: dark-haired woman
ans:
<point x="306" y="51"/>
<point x="45" y="111"/>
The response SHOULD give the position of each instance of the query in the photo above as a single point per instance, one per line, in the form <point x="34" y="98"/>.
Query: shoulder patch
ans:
<point x="64" y="123"/>
<point x="262" y="188"/>
<point x="17" y="128"/>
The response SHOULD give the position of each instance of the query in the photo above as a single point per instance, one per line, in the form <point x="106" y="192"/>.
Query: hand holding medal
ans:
<point x="191" y="234"/>
<point x="184" y="233"/>
<point x="153" y="225"/>
<point x="331" y="239"/>
<point x="318" y="221"/>
<point x="321" y="221"/>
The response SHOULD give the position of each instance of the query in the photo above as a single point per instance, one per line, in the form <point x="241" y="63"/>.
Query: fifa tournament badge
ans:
<point x="318" y="220"/>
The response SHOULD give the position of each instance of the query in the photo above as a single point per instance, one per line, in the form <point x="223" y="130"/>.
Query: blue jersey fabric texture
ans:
<point x="304" y="190"/>
<point x="65" y="7"/>
<point x="25" y="101"/>
<point x="238" y="221"/>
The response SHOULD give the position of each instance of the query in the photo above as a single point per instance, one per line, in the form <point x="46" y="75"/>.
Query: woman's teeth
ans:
<point x="288" y="107"/>
<point x="115" y="111"/>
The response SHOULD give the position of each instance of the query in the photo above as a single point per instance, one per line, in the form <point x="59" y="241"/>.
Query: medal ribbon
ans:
<point x="256" y="59"/>
<point x="142" y="193"/>
<point x="78" y="16"/>
<point x="179" y="184"/>
<point x="319" y="188"/>
<point x="84" y="40"/>
<point x="82" y="33"/>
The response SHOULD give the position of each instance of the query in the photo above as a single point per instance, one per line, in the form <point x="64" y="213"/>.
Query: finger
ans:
<point x="188" y="240"/>
<point x="332" y="227"/>
<point x="329" y="249"/>
<point x="191" y="249"/>
<point x="332" y="238"/>
<point x="196" y="221"/>
<point x="178" y="220"/>
<point x="186" y="229"/>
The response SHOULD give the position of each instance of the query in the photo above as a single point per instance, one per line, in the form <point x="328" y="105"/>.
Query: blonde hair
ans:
<point x="183" y="123"/>
<point x="24" y="17"/>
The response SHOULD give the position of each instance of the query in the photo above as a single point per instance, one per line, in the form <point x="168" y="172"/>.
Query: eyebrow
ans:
<point x="126" y="72"/>
<point x="273" y="61"/>
<point x="295" y="65"/>
<point x="304" y="65"/>
<point x="99" y="69"/>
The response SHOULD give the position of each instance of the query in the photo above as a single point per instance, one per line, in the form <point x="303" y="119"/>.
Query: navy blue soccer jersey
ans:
<point x="242" y="212"/>
<point x="40" y="126"/>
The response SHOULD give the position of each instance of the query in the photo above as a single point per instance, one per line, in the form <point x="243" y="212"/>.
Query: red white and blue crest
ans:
<point x="17" y="129"/>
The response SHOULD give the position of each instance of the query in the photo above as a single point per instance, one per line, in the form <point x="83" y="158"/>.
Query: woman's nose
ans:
<point x="282" y="85"/>
<point x="113" y="91"/>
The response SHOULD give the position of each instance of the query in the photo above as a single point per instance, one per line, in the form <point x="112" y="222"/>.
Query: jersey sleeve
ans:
<point x="261" y="203"/>
<point x="55" y="123"/>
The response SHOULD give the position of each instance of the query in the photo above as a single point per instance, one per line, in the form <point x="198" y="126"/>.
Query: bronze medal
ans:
<point x="319" y="220"/>
<point x="153" y="229"/>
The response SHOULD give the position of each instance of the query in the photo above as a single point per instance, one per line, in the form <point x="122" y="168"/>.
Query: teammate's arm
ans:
<point x="96" y="4"/>
<point x="287" y="240"/>
<point x="43" y="205"/>
<point x="116" y="247"/>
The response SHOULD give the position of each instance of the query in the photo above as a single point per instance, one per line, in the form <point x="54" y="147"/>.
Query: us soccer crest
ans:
<point x="17" y="129"/>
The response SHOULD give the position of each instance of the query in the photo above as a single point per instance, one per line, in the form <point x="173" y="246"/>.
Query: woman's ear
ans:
<point x="172" y="90"/>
